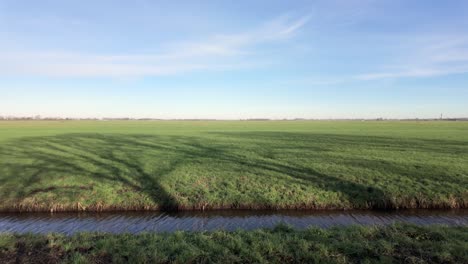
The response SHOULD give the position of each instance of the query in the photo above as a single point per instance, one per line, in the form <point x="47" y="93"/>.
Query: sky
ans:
<point x="234" y="59"/>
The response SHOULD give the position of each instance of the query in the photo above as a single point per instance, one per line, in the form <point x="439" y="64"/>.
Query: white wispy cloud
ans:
<point x="218" y="52"/>
<point x="426" y="57"/>
<point x="417" y="72"/>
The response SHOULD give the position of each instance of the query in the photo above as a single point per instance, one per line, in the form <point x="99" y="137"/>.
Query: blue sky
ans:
<point x="234" y="59"/>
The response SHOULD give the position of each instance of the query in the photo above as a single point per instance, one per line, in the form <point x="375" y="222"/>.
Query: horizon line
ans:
<point x="40" y="118"/>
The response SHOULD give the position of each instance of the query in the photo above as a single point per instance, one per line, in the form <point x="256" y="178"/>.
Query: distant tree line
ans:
<point x="38" y="117"/>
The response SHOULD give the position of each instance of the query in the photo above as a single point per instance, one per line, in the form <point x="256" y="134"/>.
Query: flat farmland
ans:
<point x="202" y="165"/>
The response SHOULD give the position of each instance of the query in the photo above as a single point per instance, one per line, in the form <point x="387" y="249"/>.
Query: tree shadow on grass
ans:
<point x="33" y="162"/>
<point x="141" y="162"/>
<point x="446" y="178"/>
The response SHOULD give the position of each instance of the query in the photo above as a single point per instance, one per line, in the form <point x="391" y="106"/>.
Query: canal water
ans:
<point x="137" y="222"/>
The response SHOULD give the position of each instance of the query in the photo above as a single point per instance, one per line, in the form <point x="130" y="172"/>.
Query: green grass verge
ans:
<point x="134" y="165"/>
<point x="390" y="244"/>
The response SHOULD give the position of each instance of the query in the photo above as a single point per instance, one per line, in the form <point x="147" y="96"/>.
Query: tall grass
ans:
<point x="390" y="244"/>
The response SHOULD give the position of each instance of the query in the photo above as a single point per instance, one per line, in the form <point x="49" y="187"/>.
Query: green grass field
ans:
<point x="99" y="165"/>
<point x="391" y="244"/>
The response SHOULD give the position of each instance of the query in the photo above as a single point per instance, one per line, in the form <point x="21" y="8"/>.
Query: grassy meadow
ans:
<point x="150" y="165"/>
<point x="390" y="244"/>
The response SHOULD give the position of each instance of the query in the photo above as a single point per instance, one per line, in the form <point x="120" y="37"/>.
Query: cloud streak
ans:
<point x="437" y="56"/>
<point x="418" y="72"/>
<point x="218" y="52"/>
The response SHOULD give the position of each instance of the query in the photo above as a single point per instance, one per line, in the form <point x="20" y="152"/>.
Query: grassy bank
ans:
<point x="134" y="165"/>
<point x="397" y="244"/>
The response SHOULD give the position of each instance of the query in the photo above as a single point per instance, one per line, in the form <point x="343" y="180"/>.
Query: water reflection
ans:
<point x="137" y="222"/>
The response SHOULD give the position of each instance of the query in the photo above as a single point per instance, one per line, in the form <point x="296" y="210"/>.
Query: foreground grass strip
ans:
<point x="397" y="243"/>
<point x="137" y="165"/>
